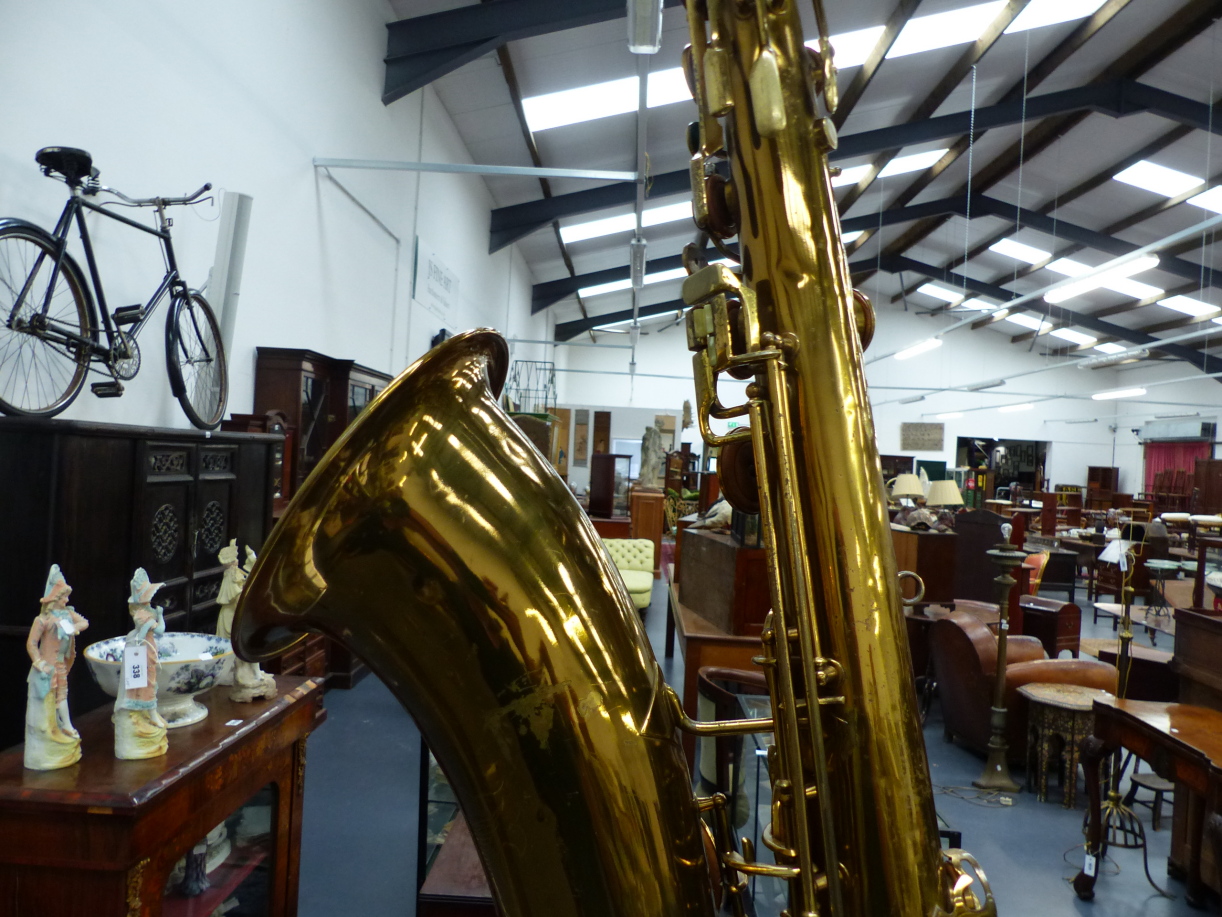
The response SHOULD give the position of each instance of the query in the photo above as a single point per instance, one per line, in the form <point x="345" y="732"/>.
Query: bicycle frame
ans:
<point x="74" y="211"/>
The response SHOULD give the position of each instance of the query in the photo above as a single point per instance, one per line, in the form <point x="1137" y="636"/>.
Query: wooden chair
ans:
<point x="1036" y="564"/>
<point x="719" y="688"/>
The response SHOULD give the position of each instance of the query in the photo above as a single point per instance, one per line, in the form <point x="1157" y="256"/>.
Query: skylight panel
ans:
<point x="1187" y="305"/>
<point x="615" y="286"/>
<point x="851" y="49"/>
<point x="1115" y="279"/>
<point x="1210" y="200"/>
<point x="1039" y="13"/>
<point x="939" y="292"/>
<point x="626" y="222"/>
<point x="1150" y="176"/>
<point x="850" y="176"/>
<point x="1028" y="321"/>
<point x="667" y="214"/>
<point x="1110" y="348"/>
<point x="941" y="30"/>
<point x="1020" y="252"/>
<point x="913" y="163"/>
<point x="665" y="88"/>
<point x="1074" y="337"/>
<point x="583" y="103"/>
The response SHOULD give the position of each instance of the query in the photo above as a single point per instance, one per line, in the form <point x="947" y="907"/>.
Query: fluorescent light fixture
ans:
<point x="626" y="222"/>
<point x="1210" y="200"/>
<point x="1074" y="337"/>
<point x="915" y="162"/>
<point x="922" y="347"/>
<point x="1111" y="280"/>
<point x="1150" y="176"/>
<point x="937" y="292"/>
<point x="941" y="30"/>
<point x="1011" y="408"/>
<point x="1187" y="305"/>
<point x="1119" y="393"/>
<point x="1028" y="321"/>
<point x="1110" y="348"/>
<point x="981" y="386"/>
<point x="976" y="305"/>
<point x="950" y="415"/>
<point x="644" y="26"/>
<point x="1113" y="358"/>
<point x="1020" y="252"/>
<point x="913" y="400"/>
<point x="847" y="237"/>
<point x="850" y="49"/>
<point x="1039" y="13"/>
<point x="850" y="176"/>
<point x="601" y="100"/>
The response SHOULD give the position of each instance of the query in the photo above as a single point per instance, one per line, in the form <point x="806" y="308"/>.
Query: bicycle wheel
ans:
<point x="41" y="368"/>
<point x="195" y="359"/>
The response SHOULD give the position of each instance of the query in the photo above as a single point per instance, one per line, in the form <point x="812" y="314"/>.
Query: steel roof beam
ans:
<point x="1177" y="30"/>
<point x="1116" y="99"/>
<point x="896" y="263"/>
<point x="423" y="48"/>
<point x="568" y="330"/>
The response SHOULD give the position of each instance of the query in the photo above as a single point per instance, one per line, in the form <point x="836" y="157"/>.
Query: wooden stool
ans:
<point x="1155" y="784"/>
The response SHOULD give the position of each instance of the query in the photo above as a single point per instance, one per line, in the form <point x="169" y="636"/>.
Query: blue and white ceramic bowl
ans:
<point x="187" y="665"/>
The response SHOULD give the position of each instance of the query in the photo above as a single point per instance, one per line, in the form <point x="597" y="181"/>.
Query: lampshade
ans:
<point x="907" y="485"/>
<point x="944" y="493"/>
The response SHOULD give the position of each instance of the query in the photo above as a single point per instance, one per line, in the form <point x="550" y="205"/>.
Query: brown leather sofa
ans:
<point x="965" y="659"/>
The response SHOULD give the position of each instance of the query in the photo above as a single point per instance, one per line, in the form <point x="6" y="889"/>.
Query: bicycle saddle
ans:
<point x="71" y="163"/>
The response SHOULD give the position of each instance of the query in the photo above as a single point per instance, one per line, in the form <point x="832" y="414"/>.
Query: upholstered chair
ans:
<point x="633" y="557"/>
<point x="965" y="659"/>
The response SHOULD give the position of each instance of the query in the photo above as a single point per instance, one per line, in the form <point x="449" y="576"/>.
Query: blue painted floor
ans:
<point x="361" y="817"/>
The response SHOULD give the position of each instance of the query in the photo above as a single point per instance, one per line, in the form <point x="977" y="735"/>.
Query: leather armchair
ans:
<point x="965" y="660"/>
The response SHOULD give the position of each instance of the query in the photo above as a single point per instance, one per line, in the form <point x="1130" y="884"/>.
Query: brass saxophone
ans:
<point x="437" y="544"/>
<point x="853" y="823"/>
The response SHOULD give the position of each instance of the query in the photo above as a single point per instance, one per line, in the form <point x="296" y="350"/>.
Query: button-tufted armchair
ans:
<point x="634" y="559"/>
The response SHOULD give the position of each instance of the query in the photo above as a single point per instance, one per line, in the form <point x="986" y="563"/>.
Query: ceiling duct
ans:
<point x="1188" y="428"/>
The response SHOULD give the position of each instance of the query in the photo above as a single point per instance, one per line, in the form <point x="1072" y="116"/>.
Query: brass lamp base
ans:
<point x="996" y="775"/>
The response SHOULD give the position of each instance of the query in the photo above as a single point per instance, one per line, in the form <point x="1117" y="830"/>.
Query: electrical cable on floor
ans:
<point x="991" y="799"/>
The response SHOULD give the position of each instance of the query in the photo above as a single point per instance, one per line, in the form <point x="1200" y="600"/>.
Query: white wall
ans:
<point x="167" y="96"/>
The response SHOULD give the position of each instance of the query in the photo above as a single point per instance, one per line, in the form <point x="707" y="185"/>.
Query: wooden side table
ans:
<point x="1058" y="713"/>
<point x="102" y="837"/>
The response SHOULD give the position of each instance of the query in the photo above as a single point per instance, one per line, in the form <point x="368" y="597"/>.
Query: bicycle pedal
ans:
<point x="127" y="315"/>
<point x="107" y="389"/>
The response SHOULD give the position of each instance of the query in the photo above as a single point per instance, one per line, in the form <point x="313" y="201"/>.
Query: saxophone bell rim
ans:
<point x="280" y="590"/>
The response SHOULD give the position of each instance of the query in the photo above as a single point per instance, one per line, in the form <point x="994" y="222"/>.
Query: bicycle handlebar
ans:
<point x="156" y="201"/>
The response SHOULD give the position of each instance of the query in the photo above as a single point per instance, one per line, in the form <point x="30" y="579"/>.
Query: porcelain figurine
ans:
<point x="51" y="741"/>
<point x="249" y="681"/>
<point x="140" y="732"/>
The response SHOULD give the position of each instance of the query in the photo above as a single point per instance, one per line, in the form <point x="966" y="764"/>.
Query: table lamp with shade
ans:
<point x="944" y="494"/>
<point x="907" y="485"/>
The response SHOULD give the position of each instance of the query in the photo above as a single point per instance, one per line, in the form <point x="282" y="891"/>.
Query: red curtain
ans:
<point x="1176" y="456"/>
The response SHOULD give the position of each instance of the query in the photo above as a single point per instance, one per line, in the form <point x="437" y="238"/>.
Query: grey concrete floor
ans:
<point x="361" y="816"/>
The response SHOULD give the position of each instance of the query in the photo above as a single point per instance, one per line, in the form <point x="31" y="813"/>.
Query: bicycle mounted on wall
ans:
<point x="50" y="333"/>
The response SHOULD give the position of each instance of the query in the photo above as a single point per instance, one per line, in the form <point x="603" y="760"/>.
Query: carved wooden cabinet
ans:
<point x="101" y="500"/>
<point x="319" y="395"/>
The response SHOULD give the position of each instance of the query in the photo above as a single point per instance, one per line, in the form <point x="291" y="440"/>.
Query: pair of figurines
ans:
<point x="51" y="741"/>
<point x="249" y="681"/>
